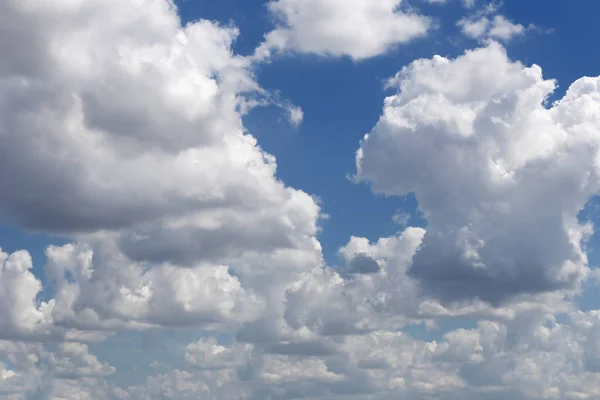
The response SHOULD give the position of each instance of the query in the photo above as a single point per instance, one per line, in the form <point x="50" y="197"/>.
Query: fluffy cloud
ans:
<point x="131" y="143"/>
<point x="140" y="131"/>
<point x="358" y="29"/>
<point x="497" y="28"/>
<point x="499" y="174"/>
<point x="101" y="289"/>
<point x="485" y="24"/>
<point x="62" y="371"/>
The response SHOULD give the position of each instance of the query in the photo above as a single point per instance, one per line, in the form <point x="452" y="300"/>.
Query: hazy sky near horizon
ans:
<point x="299" y="199"/>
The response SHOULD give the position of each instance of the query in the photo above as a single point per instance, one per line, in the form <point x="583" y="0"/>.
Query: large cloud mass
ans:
<point x="499" y="174"/>
<point x="121" y="128"/>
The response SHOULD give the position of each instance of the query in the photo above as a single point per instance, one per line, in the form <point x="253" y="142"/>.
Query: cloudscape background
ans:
<point x="299" y="199"/>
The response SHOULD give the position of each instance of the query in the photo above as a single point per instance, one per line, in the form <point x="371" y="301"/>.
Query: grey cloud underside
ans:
<point x="363" y="264"/>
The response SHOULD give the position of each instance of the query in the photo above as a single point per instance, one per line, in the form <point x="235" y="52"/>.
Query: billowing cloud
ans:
<point x="357" y="29"/>
<point x="139" y="132"/>
<point x="497" y="28"/>
<point x="486" y="24"/>
<point x="23" y="316"/>
<point x="130" y="142"/>
<point x="499" y="174"/>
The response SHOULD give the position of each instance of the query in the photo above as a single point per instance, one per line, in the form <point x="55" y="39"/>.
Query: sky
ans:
<point x="299" y="199"/>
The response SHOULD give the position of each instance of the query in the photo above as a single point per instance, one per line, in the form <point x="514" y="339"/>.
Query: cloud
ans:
<point x="497" y="28"/>
<point x="131" y="144"/>
<point x="101" y="290"/>
<point x="140" y="133"/>
<point x="486" y="24"/>
<point x="296" y="115"/>
<point x="358" y="29"/>
<point x="23" y="316"/>
<point x="499" y="174"/>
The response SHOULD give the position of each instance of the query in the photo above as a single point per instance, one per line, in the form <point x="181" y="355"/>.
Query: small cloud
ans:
<point x="504" y="29"/>
<point x="483" y="25"/>
<point x="295" y="115"/>
<point x="401" y="218"/>
<point x="320" y="27"/>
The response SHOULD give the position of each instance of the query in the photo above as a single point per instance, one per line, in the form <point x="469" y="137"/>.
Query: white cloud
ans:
<point x="23" y="315"/>
<point x="502" y="28"/>
<point x="141" y="127"/>
<point x="122" y="130"/>
<point x="401" y="218"/>
<point x="296" y="115"/>
<point x="358" y="29"/>
<point x="486" y="24"/>
<point x="499" y="177"/>
<point x="474" y="28"/>
<point x="497" y="28"/>
<point x="98" y="289"/>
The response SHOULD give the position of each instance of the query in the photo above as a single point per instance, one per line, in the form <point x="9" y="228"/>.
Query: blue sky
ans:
<point x="171" y="261"/>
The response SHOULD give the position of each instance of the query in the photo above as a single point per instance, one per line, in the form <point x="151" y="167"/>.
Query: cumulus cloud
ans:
<point x="486" y="24"/>
<point x="23" y="315"/>
<point x="140" y="131"/>
<point x="540" y="359"/>
<point x="358" y="29"/>
<point x="101" y="290"/>
<point x="497" y="28"/>
<point x="131" y="143"/>
<point x="499" y="174"/>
